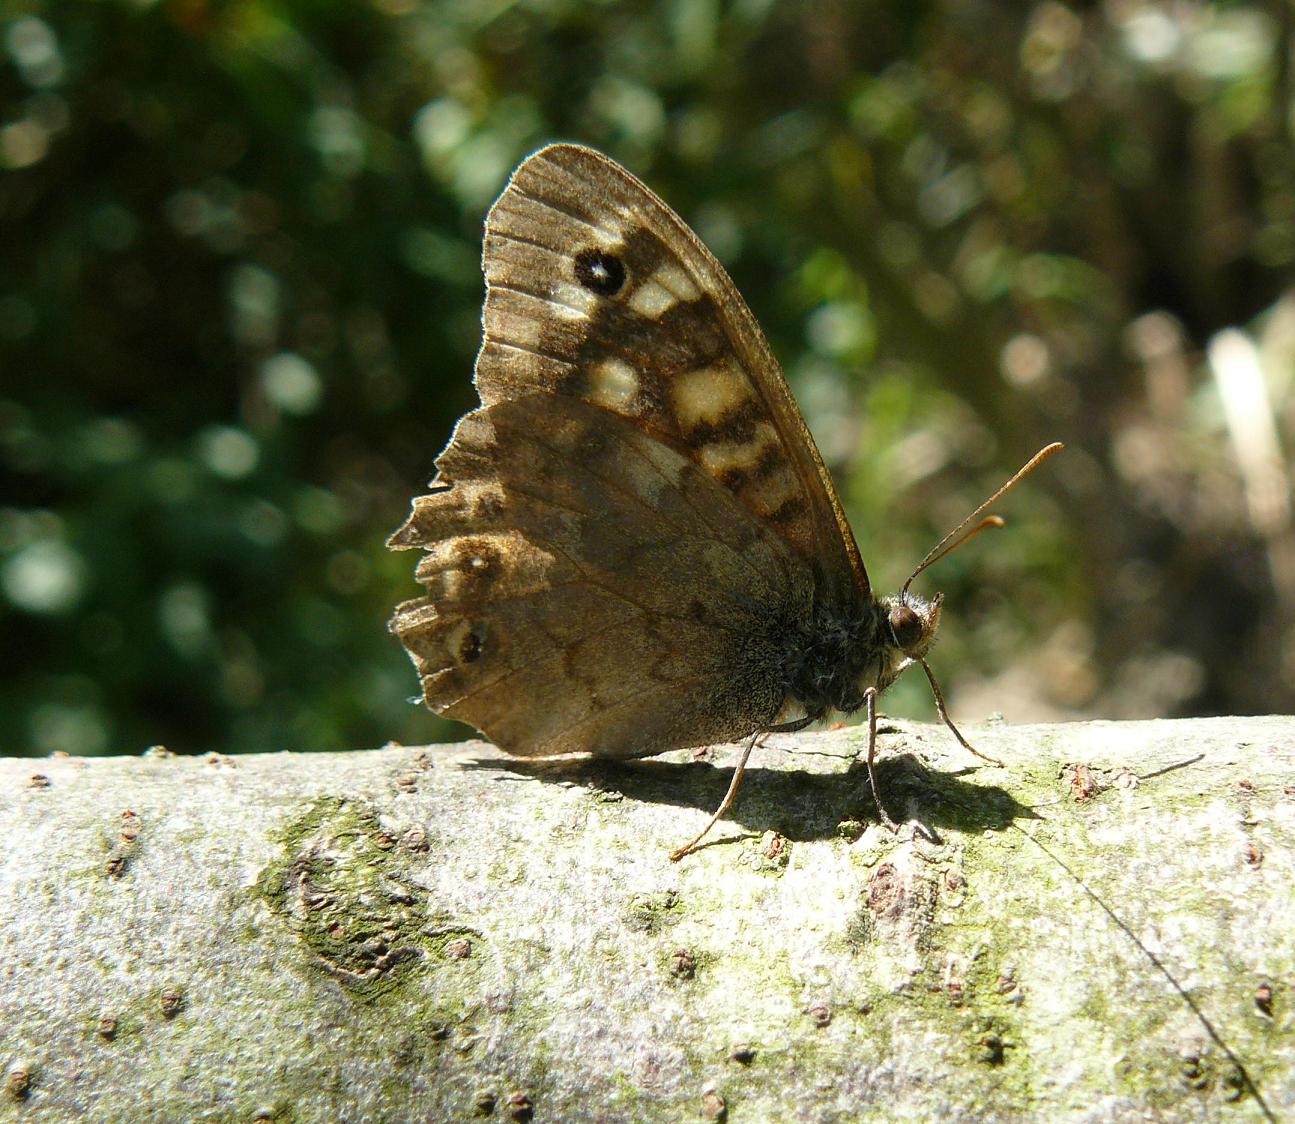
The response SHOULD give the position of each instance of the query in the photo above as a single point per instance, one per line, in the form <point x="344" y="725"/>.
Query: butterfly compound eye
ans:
<point x="906" y="626"/>
<point x="600" y="272"/>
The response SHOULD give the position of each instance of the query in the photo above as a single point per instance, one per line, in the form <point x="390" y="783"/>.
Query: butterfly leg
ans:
<point x="870" y="701"/>
<point x="725" y="804"/>
<point x="944" y="714"/>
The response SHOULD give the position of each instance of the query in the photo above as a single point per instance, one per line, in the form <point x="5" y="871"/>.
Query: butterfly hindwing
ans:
<point x="597" y="290"/>
<point x="591" y="589"/>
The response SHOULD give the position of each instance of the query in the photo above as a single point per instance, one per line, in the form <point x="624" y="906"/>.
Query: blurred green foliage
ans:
<point x="240" y="296"/>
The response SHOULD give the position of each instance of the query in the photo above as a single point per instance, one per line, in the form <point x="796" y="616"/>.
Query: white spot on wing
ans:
<point x="608" y="232"/>
<point x="615" y="385"/>
<point x="772" y="490"/>
<point x="671" y="277"/>
<point x="717" y="456"/>
<point x="663" y="290"/>
<point x="707" y="394"/>
<point x="651" y="300"/>
<point x="446" y="585"/>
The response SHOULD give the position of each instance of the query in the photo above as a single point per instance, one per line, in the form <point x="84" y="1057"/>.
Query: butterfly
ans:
<point x="633" y="544"/>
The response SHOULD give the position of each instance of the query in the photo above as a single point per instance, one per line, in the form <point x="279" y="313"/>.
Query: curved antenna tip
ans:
<point x="956" y="538"/>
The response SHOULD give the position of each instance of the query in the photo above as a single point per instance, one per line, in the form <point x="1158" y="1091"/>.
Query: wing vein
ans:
<point x="527" y="350"/>
<point x="520" y="240"/>
<point x="565" y="212"/>
<point x="701" y="516"/>
<point x="550" y="658"/>
<point x="547" y="298"/>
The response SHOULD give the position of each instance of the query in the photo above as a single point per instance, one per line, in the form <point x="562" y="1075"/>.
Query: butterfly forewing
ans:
<point x="597" y="290"/>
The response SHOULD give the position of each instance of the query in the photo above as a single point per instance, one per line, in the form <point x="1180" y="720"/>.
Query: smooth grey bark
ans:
<point x="448" y="934"/>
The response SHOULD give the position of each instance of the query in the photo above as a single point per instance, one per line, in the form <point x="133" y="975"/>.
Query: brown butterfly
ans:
<point x="633" y="544"/>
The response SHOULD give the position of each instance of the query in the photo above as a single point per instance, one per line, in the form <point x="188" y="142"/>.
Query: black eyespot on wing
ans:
<point x="470" y="647"/>
<point x="600" y="272"/>
<point x="906" y="626"/>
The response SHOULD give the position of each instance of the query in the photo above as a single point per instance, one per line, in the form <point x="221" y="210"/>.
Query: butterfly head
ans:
<point x="912" y="622"/>
<point x="907" y="626"/>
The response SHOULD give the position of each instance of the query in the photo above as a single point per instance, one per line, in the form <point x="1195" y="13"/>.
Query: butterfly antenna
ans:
<point x="960" y="534"/>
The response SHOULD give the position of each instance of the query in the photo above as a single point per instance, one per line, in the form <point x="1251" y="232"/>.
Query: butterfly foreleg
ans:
<point x="725" y="804"/>
<point x="943" y="712"/>
<point x="870" y="701"/>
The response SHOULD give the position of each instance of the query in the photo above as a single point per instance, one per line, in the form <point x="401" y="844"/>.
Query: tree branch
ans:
<point x="1105" y="929"/>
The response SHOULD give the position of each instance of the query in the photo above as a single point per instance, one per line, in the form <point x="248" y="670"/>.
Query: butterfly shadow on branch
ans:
<point x="798" y="804"/>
